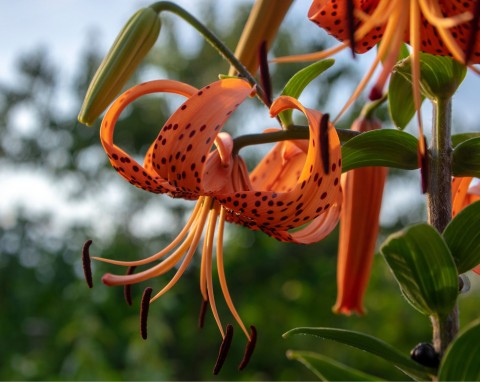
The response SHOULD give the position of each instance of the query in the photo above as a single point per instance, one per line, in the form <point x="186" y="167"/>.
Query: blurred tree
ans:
<point x="53" y="327"/>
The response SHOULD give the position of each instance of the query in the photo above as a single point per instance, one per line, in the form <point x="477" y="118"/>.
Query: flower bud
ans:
<point x="130" y="47"/>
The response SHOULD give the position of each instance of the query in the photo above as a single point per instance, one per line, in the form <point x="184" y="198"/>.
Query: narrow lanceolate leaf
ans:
<point x="327" y="369"/>
<point x="388" y="148"/>
<point x="462" y="236"/>
<point x="424" y="268"/>
<point x="466" y="158"/>
<point x="299" y="82"/>
<point x="461" y="360"/>
<point x="369" y="344"/>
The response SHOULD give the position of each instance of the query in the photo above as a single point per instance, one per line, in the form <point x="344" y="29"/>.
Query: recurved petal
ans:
<point x="144" y="177"/>
<point x="186" y="140"/>
<point x="331" y="15"/>
<point x="274" y="210"/>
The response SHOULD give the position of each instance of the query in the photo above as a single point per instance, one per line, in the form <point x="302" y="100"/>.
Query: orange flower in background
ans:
<point x="359" y="223"/>
<point x="289" y="188"/>
<point x="439" y="27"/>
<point x="464" y="192"/>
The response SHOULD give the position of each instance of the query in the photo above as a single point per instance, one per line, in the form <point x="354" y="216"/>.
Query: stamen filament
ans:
<point x="207" y="254"/>
<point x="442" y="21"/>
<point x="193" y="247"/>
<point x="415" y="42"/>
<point x="221" y="272"/>
<point x="164" y="251"/>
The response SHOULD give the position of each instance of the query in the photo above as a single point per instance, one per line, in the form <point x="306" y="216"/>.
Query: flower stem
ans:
<point x="439" y="203"/>
<point x="294" y="132"/>
<point x="210" y="38"/>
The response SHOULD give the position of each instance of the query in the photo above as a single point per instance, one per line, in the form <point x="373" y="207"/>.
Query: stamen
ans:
<point x="224" y="348"/>
<point x="201" y="316"/>
<point x="144" y="311"/>
<point x="249" y="348"/>
<point x="87" y="269"/>
<point x="127" y="288"/>
<point x="324" y="146"/>
<point x="168" y="248"/>
<point x="265" y="73"/>
<point x="351" y="25"/>
<point x="221" y="272"/>
<point x="473" y="33"/>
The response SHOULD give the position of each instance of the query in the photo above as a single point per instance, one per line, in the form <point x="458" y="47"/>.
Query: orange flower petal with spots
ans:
<point x="186" y="140"/>
<point x="277" y="204"/>
<point x="175" y="162"/>
<point x="331" y="15"/>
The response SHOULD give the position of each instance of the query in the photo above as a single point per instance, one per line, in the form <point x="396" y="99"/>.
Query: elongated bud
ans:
<point x="359" y="224"/>
<point x="130" y="47"/>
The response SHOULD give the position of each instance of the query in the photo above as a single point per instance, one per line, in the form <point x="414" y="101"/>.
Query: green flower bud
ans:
<point x="130" y="47"/>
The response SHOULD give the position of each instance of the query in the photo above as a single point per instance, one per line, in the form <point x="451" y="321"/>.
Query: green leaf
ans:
<point x="370" y="344"/>
<point x="424" y="268"/>
<point x="327" y="369"/>
<point x="389" y="148"/>
<point x="299" y="81"/>
<point x="461" y="360"/>
<point x="462" y="236"/>
<point x="462" y="137"/>
<point x="400" y="100"/>
<point x="466" y="158"/>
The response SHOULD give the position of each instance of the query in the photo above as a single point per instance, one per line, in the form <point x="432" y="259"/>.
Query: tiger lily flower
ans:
<point x="359" y="224"/>
<point x="287" y="190"/>
<point x="463" y="194"/>
<point x="447" y="28"/>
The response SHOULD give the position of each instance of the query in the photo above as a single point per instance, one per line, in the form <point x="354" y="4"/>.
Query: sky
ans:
<point x="64" y="27"/>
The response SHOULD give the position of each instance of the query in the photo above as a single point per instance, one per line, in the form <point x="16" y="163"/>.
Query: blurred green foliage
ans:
<point x="52" y="327"/>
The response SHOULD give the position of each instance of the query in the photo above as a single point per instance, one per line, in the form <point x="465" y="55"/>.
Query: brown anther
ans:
<point x="265" y="73"/>
<point x="224" y="348"/>
<point x="375" y="94"/>
<point x="351" y="25"/>
<point x="144" y="311"/>
<point x="324" y="146"/>
<point x="127" y="289"/>
<point x="201" y="316"/>
<point x="423" y="162"/>
<point x="472" y="38"/>
<point x="249" y="348"/>
<point x="87" y="269"/>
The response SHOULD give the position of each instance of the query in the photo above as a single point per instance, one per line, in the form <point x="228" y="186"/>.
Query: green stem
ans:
<point x="211" y="38"/>
<point x="293" y="132"/>
<point x="439" y="203"/>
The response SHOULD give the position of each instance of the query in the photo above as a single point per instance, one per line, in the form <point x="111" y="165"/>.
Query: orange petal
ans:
<point x="188" y="136"/>
<point x="359" y="223"/>
<point x="141" y="176"/>
<point x="314" y="192"/>
<point x="331" y="15"/>
<point x="460" y="187"/>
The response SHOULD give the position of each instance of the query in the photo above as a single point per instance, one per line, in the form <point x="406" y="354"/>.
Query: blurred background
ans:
<point x="57" y="190"/>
